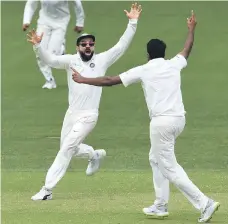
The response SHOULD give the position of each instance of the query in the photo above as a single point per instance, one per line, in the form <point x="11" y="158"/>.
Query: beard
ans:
<point x="86" y="57"/>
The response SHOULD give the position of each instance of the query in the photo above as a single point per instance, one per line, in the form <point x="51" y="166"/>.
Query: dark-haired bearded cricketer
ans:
<point x="161" y="82"/>
<point x="84" y="100"/>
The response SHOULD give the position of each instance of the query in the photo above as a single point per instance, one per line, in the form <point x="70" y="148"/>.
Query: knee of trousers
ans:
<point x="175" y="179"/>
<point x="71" y="143"/>
<point x="166" y="160"/>
<point x="169" y="169"/>
<point x="74" y="138"/>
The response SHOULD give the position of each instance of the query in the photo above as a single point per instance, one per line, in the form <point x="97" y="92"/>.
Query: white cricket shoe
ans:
<point x="94" y="163"/>
<point x="210" y="209"/>
<point x="49" y="85"/>
<point x="43" y="194"/>
<point x="159" y="212"/>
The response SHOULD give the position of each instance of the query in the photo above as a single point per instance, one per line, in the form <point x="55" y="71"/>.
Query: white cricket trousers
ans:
<point x="76" y="127"/>
<point x="52" y="41"/>
<point x="164" y="131"/>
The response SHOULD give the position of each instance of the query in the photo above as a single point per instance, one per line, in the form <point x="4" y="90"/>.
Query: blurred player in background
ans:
<point x="53" y="20"/>
<point x="161" y="82"/>
<point x="84" y="100"/>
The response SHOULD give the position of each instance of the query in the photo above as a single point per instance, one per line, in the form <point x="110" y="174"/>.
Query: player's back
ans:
<point x="161" y="82"/>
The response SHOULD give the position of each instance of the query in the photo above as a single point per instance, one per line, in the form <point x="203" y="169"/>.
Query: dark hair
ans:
<point x="156" y="48"/>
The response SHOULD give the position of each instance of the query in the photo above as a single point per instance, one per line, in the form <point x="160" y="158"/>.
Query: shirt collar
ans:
<point x="156" y="60"/>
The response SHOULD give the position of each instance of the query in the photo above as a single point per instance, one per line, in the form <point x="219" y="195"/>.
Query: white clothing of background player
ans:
<point x="53" y="20"/>
<point x="82" y="114"/>
<point x="161" y="82"/>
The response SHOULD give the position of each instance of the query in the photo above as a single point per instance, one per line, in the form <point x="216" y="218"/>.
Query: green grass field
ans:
<point x="31" y="117"/>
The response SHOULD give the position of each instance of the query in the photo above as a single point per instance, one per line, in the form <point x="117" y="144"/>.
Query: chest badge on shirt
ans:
<point x="92" y="65"/>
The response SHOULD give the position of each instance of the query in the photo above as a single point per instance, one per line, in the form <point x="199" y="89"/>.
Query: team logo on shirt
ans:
<point x="92" y="65"/>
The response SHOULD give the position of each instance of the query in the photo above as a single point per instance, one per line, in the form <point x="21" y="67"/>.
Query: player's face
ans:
<point x="86" y="49"/>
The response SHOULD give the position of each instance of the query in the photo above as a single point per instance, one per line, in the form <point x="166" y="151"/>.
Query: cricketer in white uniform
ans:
<point x="82" y="114"/>
<point x="53" y="20"/>
<point x="161" y="83"/>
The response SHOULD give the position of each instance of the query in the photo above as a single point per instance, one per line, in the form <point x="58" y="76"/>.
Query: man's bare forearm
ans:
<point x="188" y="44"/>
<point x="101" y="81"/>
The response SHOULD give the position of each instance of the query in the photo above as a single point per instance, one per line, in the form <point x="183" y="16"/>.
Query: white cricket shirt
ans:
<point x="53" y="13"/>
<point x="83" y="96"/>
<point x="161" y="83"/>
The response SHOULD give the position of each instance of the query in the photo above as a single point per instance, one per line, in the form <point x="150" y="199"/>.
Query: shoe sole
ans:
<point x="156" y="216"/>
<point x="45" y="198"/>
<point x="210" y="217"/>
<point x="49" y="88"/>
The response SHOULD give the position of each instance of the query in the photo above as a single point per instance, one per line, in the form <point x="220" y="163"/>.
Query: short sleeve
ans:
<point x="131" y="76"/>
<point x="179" y="61"/>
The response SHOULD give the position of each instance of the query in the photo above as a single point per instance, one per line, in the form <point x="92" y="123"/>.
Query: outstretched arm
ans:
<point x="54" y="61"/>
<point x="191" y="22"/>
<point x="100" y="81"/>
<point x="127" y="78"/>
<point x="113" y="54"/>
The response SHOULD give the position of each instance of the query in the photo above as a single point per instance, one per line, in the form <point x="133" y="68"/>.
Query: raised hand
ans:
<point x="191" y="22"/>
<point x="34" y="38"/>
<point x="134" y="12"/>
